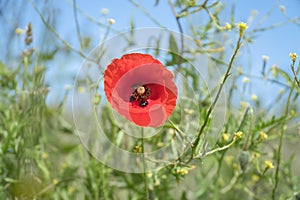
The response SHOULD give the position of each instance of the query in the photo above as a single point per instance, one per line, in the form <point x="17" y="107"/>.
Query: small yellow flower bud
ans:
<point x="256" y="155"/>
<point x="244" y="104"/>
<point x="149" y="175"/>
<point x="253" y="97"/>
<point x="274" y="71"/>
<point x="68" y="87"/>
<point x="182" y="171"/>
<point x="242" y="27"/>
<point x="255" y="178"/>
<point x="225" y="137"/>
<point x="111" y="21"/>
<point x="262" y="136"/>
<point x="45" y="155"/>
<point x="228" y="159"/>
<point x="265" y="58"/>
<point x="238" y="135"/>
<point x="292" y="112"/>
<point x="269" y="164"/>
<point x="81" y="89"/>
<point x="160" y="144"/>
<point x="293" y="56"/>
<point x="281" y="91"/>
<point x="55" y="181"/>
<point x="192" y="3"/>
<point x="19" y="31"/>
<point x="70" y="190"/>
<point x="239" y="70"/>
<point x="246" y="80"/>
<point x="282" y="8"/>
<point x="189" y="111"/>
<point x="63" y="165"/>
<point x="104" y="11"/>
<point x="137" y="149"/>
<point x="157" y="182"/>
<point x="227" y="26"/>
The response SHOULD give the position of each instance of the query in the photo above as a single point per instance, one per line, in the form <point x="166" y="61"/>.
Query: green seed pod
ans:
<point x="97" y="99"/>
<point x="244" y="160"/>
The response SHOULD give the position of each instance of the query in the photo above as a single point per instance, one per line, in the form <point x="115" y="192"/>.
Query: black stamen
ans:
<point x="141" y="98"/>
<point x="143" y="103"/>
<point x="131" y="99"/>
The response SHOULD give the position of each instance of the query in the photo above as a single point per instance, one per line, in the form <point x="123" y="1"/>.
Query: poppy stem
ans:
<point x="144" y="165"/>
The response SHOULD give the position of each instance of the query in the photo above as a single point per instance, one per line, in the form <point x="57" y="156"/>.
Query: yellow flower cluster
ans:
<point x="19" y="31"/>
<point x="242" y="27"/>
<point x="55" y="181"/>
<point x="227" y="26"/>
<point x="262" y="136"/>
<point x="269" y="164"/>
<point x="137" y="149"/>
<point x="238" y="135"/>
<point x="293" y="56"/>
<point x="225" y="137"/>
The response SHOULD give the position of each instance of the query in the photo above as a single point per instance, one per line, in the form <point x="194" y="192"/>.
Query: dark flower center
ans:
<point x="141" y="93"/>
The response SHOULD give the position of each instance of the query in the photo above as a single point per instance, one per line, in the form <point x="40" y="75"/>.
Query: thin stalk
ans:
<point x="177" y="17"/>
<point x="77" y="24"/>
<point x="295" y="73"/>
<point x="144" y="165"/>
<point x="201" y="131"/>
<point x="281" y="140"/>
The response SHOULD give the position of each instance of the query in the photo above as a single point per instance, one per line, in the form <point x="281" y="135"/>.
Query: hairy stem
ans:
<point x="144" y="165"/>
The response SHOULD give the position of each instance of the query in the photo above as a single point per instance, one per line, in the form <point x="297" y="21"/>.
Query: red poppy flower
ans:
<point x="141" y="89"/>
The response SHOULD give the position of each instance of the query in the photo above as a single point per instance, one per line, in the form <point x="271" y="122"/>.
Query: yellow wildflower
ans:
<point x="81" y="89"/>
<point x="253" y="97"/>
<point x="265" y="58"/>
<point x="227" y="26"/>
<point x="255" y="178"/>
<point x="111" y="21"/>
<point x="55" y="181"/>
<point x="281" y="91"/>
<point x="246" y="80"/>
<point x="70" y="189"/>
<point x="242" y="27"/>
<point x="182" y="171"/>
<point x="225" y="137"/>
<point x="244" y="104"/>
<point x="104" y="11"/>
<point x="228" y="159"/>
<point x="238" y="135"/>
<point x="137" y="149"/>
<point x="19" y="31"/>
<point x="68" y="87"/>
<point x="293" y="56"/>
<point x="282" y="8"/>
<point x="45" y="155"/>
<point x="239" y="70"/>
<point x="269" y="164"/>
<point x="189" y="111"/>
<point x="262" y="136"/>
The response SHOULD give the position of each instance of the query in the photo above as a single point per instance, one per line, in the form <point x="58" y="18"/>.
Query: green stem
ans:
<point x="201" y="131"/>
<point x="295" y="73"/>
<point x="281" y="140"/>
<point x="144" y="166"/>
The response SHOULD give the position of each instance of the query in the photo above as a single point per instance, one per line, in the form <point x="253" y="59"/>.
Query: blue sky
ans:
<point x="276" y="43"/>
